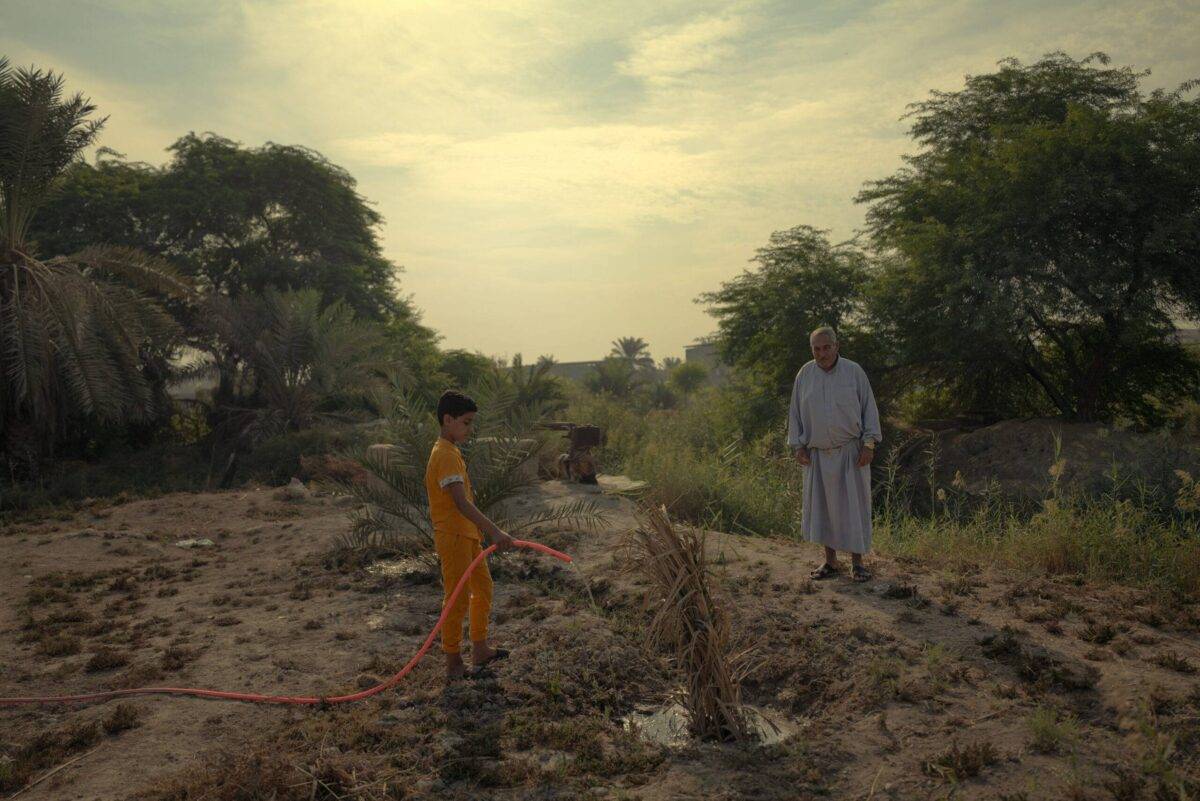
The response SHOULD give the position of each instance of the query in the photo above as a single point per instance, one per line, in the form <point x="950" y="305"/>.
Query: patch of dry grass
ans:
<point x="957" y="764"/>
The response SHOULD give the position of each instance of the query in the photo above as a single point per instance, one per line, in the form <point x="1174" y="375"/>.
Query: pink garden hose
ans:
<point x="303" y="700"/>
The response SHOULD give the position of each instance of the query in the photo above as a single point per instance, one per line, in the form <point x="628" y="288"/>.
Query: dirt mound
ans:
<point x="1021" y="459"/>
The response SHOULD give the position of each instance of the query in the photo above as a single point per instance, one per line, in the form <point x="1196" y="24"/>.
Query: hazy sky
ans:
<point x="554" y="175"/>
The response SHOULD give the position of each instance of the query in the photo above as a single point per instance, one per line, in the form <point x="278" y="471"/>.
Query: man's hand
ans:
<point x="802" y="456"/>
<point x="865" y="456"/>
<point x="502" y="540"/>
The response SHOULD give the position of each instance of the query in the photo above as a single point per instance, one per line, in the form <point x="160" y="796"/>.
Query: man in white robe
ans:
<point x="833" y="428"/>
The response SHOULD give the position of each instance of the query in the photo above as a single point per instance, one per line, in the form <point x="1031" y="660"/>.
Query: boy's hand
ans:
<point x="502" y="540"/>
<point x="802" y="456"/>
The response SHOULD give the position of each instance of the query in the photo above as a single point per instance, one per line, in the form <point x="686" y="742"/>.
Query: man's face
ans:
<point x="458" y="429"/>
<point x="824" y="351"/>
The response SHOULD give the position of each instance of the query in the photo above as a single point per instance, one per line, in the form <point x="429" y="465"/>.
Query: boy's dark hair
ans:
<point x="455" y="404"/>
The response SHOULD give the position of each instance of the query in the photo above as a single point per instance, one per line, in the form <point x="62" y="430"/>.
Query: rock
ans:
<point x="295" y="490"/>
<point x="196" y="543"/>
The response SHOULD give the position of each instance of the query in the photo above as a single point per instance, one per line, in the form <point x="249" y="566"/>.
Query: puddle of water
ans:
<point x="669" y="725"/>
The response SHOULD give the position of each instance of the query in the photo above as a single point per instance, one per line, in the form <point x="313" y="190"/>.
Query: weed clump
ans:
<point x="106" y="659"/>
<point x="957" y="764"/>
<point x="1049" y="733"/>
<point x="123" y="718"/>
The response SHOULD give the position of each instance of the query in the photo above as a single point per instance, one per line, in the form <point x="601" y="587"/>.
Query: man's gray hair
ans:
<point x="824" y="331"/>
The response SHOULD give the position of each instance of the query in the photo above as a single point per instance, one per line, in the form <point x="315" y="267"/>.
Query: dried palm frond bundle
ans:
<point x="691" y="625"/>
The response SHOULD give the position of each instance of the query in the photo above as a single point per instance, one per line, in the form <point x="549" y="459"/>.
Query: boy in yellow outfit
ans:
<point x="456" y="535"/>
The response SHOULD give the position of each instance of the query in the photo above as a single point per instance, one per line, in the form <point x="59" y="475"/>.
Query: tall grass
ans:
<point x="706" y="475"/>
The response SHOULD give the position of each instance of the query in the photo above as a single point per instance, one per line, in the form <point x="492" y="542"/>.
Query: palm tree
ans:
<point x="633" y="349"/>
<point x="393" y="513"/>
<point x="614" y="376"/>
<point x="535" y="384"/>
<point x="79" y="341"/>
<point x="294" y="364"/>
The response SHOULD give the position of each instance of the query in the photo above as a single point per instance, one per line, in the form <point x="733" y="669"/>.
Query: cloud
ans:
<point x="532" y="153"/>
<point x="614" y="176"/>
<point x="664" y="54"/>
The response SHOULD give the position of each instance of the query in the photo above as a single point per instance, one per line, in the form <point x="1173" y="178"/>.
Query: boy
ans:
<point x="456" y="535"/>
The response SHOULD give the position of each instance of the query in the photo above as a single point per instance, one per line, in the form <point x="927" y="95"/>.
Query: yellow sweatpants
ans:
<point x="456" y="553"/>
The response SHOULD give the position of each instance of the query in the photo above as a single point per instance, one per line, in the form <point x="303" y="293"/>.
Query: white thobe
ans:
<point x="832" y="415"/>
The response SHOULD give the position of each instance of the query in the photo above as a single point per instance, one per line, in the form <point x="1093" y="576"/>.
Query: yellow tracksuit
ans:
<point x="458" y="542"/>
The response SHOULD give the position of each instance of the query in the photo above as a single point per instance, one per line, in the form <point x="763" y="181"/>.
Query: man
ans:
<point x="833" y="428"/>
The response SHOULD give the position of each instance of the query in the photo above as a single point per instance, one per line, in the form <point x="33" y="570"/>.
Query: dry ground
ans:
<point x="922" y="684"/>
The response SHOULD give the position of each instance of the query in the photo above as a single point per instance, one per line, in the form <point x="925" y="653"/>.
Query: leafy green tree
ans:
<point x="1042" y="240"/>
<point x="235" y="219"/>
<point x="802" y="281"/>
<point x="686" y="378"/>
<point x="669" y="363"/>
<point x="462" y="369"/>
<point x="241" y="221"/>
<point x="81" y="342"/>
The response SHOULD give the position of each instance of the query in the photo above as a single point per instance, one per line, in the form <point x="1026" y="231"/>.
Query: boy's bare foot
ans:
<point x="455" y="667"/>
<point x="482" y="654"/>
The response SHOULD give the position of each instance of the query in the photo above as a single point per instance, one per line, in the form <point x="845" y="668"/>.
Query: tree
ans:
<point x="1043" y="239"/>
<point x="463" y="368"/>
<point x="235" y="219"/>
<point x="686" y="378"/>
<point x="633" y="349"/>
<point x="298" y="364"/>
<point x="614" y="376"/>
<point x="802" y="281"/>
<point x="535" y="385"/>
<point x="80" y="341"/>
<point x="393" y="516"/>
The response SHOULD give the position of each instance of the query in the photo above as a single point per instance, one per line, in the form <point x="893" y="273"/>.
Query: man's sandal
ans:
<point x="823" y="572"/>
<point x="860" y="574"/>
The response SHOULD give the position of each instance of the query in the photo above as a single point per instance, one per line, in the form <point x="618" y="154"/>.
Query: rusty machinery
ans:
<point x="578" y="464"/>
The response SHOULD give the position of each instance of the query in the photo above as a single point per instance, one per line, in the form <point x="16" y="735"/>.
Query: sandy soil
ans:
<point x="896" y="689"/>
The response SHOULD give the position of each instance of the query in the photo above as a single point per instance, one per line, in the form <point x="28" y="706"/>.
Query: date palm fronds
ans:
<point x="691" y="624"/>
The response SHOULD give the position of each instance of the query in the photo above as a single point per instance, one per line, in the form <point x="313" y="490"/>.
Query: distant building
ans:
<point x="706" y="355"/>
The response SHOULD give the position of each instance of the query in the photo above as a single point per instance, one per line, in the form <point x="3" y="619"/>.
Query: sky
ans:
<point x="555" y="175"/>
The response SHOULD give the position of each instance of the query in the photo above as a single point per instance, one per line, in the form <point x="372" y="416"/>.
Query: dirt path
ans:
<point x="901" y="688"/>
